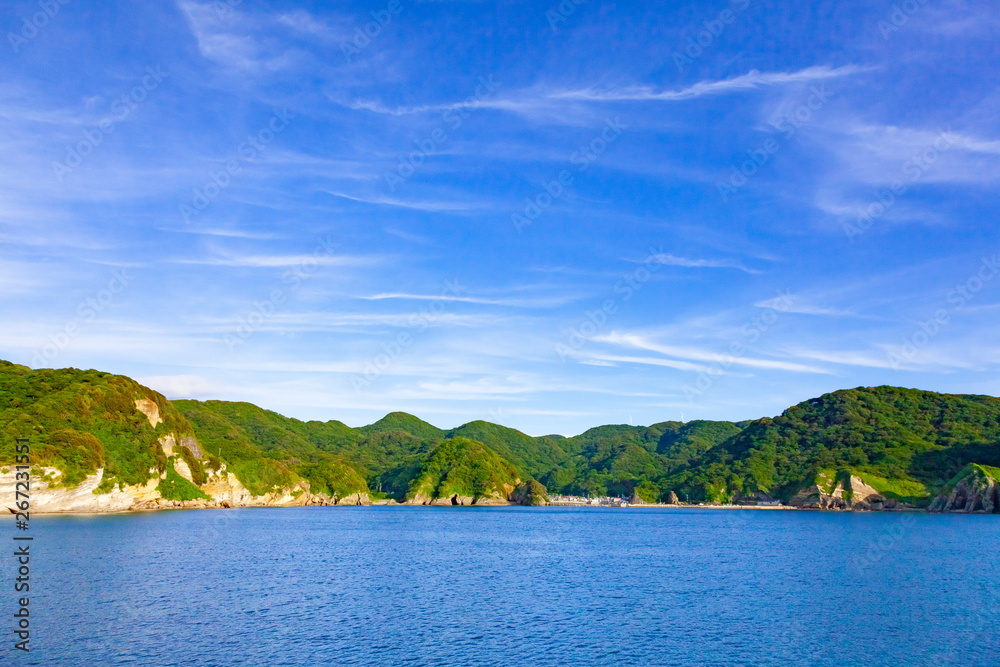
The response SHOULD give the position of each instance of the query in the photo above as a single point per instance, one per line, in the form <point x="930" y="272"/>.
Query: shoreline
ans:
<point x="559" y="505"/>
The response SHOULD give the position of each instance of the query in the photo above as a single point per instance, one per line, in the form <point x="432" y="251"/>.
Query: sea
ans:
<point x="509" y="586"/>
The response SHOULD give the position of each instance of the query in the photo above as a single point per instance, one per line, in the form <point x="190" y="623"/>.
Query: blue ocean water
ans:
<point x="513" y="586"/>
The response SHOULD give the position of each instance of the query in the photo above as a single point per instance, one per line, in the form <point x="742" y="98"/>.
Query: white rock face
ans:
<point x="855" y="496"/>
<point x="45" y="499"/>
<point x="222" y="487"/>
<point x="150" y="409"/>
<point x="183" y="469"/>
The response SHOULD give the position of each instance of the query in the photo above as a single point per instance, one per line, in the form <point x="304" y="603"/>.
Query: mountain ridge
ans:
<point x="902" y="447"/>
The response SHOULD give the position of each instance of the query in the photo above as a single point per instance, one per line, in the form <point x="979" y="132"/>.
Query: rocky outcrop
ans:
<point x="531" y="493"/>
<point x="224" y="490"/>
<point x="672" y="499"/>
<point x="327" y="500"/>
<point x="49" y="496"/>
<point x="636" y="499"/>
<point x="841" y="492"/>
<point x="456" y="500"/>
<point x="150" y="409"/>
<point x="974" y="490"/>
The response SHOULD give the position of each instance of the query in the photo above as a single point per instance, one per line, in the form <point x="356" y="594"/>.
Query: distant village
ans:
<point x="611" y="501"/>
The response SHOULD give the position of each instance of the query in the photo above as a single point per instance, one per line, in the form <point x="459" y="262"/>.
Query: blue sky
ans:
<point x="547" y="216"/>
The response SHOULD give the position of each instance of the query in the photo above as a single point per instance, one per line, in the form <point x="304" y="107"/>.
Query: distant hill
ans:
<point x="460" y="471"/>
<point x="903" y="436"/>
<point x="903" y="445"/>
<point x="532" y="456"/>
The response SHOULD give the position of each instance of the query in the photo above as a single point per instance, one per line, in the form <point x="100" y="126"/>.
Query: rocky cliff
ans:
<point x="841" y="491"/>
<point x="531" y="493"/>
<point x="50" y="492"/>
<point x="104" y="443"/>
<point x="975" y="489"/>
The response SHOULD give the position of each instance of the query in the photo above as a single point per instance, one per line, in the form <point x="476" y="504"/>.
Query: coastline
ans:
<point x="383" y="503"/>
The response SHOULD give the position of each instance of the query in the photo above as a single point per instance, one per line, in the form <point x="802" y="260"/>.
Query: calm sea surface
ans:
<point x="512" y="586"/>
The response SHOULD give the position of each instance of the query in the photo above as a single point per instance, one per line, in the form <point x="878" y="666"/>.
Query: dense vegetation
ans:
<point x="907" y="444"/>
<point x="175" y="487"/>
<point x="80" y="421"/>
<point x="462" y="467"/>
<point x="888" y="435"/>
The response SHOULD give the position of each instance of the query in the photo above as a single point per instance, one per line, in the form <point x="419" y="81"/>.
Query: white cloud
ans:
<point x="435" y="206"/>
<point x="182" y="386"/>
<point x="281" y="261"/>
<point x="748" y="81"/>
<point x="795" y="305"/>
<point x="674" y="260"/>
<point x="540" y="302"/>
<point x="639" y="342"/>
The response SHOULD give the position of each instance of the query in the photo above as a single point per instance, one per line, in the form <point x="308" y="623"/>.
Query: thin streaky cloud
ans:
<point x="795" y="306"/>
<point x="529" y="303"/>
<point x="649" y="361"/>
<point x="845" y="358"/>
<point x="531" y="100"/>
<point x="638" y="342"/>
<point x="749" y="81"/>
<point x="281" y="261"/>
<point x="438" y="206"/>
<point x="674" y="260"/>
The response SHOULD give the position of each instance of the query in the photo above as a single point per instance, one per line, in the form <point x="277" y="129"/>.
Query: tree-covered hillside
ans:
<point x="84" y="420"/>
<point x="885" y="434"/>
<point x="625" y="460"/>
<point x="905" y="443"/>
<point x="461" y="468"/>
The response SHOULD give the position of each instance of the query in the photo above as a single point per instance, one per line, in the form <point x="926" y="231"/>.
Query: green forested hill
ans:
<point x="619" y="460"/>
<point x="82" y="421"/>
<point x="906" y="443"/>
<point x="904" y="436"/>
<point x="532" y="456"/>
<point x="464" y="468"/>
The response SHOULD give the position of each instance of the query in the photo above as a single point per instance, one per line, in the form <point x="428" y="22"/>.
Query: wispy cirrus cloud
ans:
<point x="674" y="260"/>
<point x="281" y="261"/>
<point x="688" y="353"/>
<point x="798" y="306"/>
<point x="183" y="386"/>
<point x="749" y="81"/>
<point x="536" y="302"/>
<point x="542" y="100"/>
<point x="456" y="205"/>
